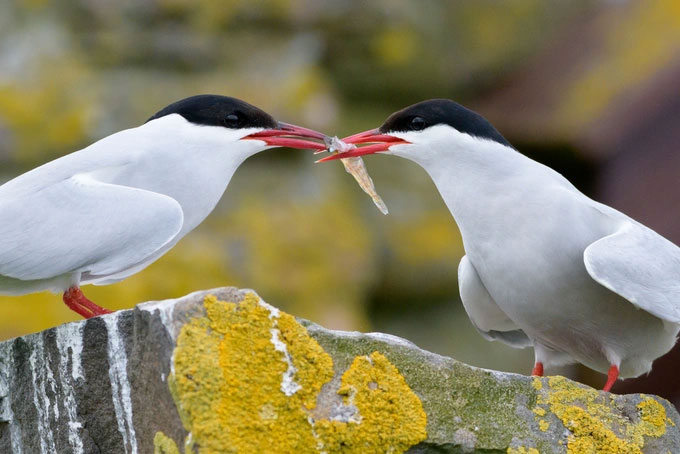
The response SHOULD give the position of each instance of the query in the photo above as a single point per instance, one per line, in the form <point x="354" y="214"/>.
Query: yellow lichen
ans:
<point x="537" y="384"/>
<point x="314" y="366"/>
<point x="593" y="426"/>
<point x="543" y="425"/>
<point x="391" y="417"/>
<point x="247" y="378"/>
<point x="163" y="444"/>
<point x="539" y="411"/>
<point x="523" y="450"/>
<point x="653" y="418"/>
<point x="242" y="383"/>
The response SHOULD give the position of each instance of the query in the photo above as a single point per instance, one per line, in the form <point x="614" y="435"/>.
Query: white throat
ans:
<point x="192" y="164"/>
<point x="462" y="167"/>
<point x="481" y="181"/>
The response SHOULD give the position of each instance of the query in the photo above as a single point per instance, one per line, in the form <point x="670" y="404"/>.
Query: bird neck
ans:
<point x="193" y="165"/>
<point x="481" y="183"/>
<point x="464" y="175"/>
<point x="199" y="186"/>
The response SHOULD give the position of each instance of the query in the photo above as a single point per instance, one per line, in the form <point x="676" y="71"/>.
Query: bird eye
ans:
<point x="232" y="120"/>
<point x="417" y="123"/>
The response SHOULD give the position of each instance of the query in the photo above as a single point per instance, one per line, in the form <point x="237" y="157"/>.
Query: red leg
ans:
<point x="77" y="302"/>
<point x="538" y="369"/>
<point x="75" y="307"/>
<point x="612" y="376"/>
<point x="96" y="310"/>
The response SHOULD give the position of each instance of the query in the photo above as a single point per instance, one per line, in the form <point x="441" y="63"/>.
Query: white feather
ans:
<point x="80" y="224"/>
<point x="641" y="266"/>
<point x="484" y="313"/>
<point x="580" y="279"/>
<point x="107" y="211"/>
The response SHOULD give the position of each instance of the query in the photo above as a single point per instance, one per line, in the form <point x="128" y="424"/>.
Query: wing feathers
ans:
<point x="80" y="224"/>
<point x="641" y="266"/>
<point x="484" y="313"/>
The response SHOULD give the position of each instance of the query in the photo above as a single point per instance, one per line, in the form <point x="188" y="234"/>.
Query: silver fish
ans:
<point x="357" y="168"/>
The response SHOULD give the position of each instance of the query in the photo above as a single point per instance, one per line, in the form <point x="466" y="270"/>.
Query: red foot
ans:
<point x="538" y="369"/>
<point x="612" y="375"/>
<point x="77" y="302"/>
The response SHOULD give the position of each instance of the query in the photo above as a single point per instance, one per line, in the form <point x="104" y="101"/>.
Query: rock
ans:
<point x="202" y="374"/>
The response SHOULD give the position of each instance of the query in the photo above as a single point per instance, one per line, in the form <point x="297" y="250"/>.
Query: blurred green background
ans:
<point x="582" y="86"/>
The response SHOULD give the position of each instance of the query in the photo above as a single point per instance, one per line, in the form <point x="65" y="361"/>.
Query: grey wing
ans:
<point x="483" y="311"/>
<point x="80" y="224"/>
<point x="641" y="266"/>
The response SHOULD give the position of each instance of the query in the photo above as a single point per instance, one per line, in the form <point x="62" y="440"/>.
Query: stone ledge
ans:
<point x="202" y="374"/>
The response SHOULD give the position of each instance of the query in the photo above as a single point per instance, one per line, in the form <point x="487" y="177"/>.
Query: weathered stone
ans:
<point x="204" y="375"/>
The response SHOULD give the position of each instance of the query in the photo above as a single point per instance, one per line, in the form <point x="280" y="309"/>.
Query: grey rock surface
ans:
<point x="103" y="386"/>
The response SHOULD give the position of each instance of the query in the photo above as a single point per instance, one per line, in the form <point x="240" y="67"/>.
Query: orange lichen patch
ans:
<point x="653" y="420"/>
<point x="523" y="450"/>
<point x="314" y="366"/>
<point x="164" y="445"/>
<point x="391" y="417"/>
<point x="539" y="411"/>
<point x="594" y="427"/>
<point x="231" y="376"/>
<point x="247" y="377"/>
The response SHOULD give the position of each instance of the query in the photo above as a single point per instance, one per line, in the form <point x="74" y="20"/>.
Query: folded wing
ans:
<point x="484" y="313"/>
<point x="80" y="224"/>
<point x="641" y="266"/>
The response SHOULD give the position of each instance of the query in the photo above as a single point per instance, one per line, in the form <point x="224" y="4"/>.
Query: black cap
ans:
<point x="216" y="110"/>
<point x="442" y="111"/>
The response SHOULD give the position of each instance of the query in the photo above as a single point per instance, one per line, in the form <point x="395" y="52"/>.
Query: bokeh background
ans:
<point x="592" y="88"/>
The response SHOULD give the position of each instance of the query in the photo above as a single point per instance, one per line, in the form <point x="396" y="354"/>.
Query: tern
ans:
<point x="544" y="265"/>
<point x="101" y="214"/>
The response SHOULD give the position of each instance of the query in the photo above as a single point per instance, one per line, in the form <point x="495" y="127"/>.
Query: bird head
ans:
<point x="423" y="131"/>
<point x="238" y="125"/>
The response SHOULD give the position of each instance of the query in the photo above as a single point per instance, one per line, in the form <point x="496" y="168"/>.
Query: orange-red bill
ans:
<point x="287" y="135"/>
<point x="372" y="135"/>
<point x="379" y="142"/>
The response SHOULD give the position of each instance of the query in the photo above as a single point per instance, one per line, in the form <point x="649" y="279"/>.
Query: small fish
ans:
<point x="357" y="168"/>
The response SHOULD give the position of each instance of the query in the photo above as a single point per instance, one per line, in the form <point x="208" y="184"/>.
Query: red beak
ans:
<point x="287" y="135"/>
<point x="379" y="141"/>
